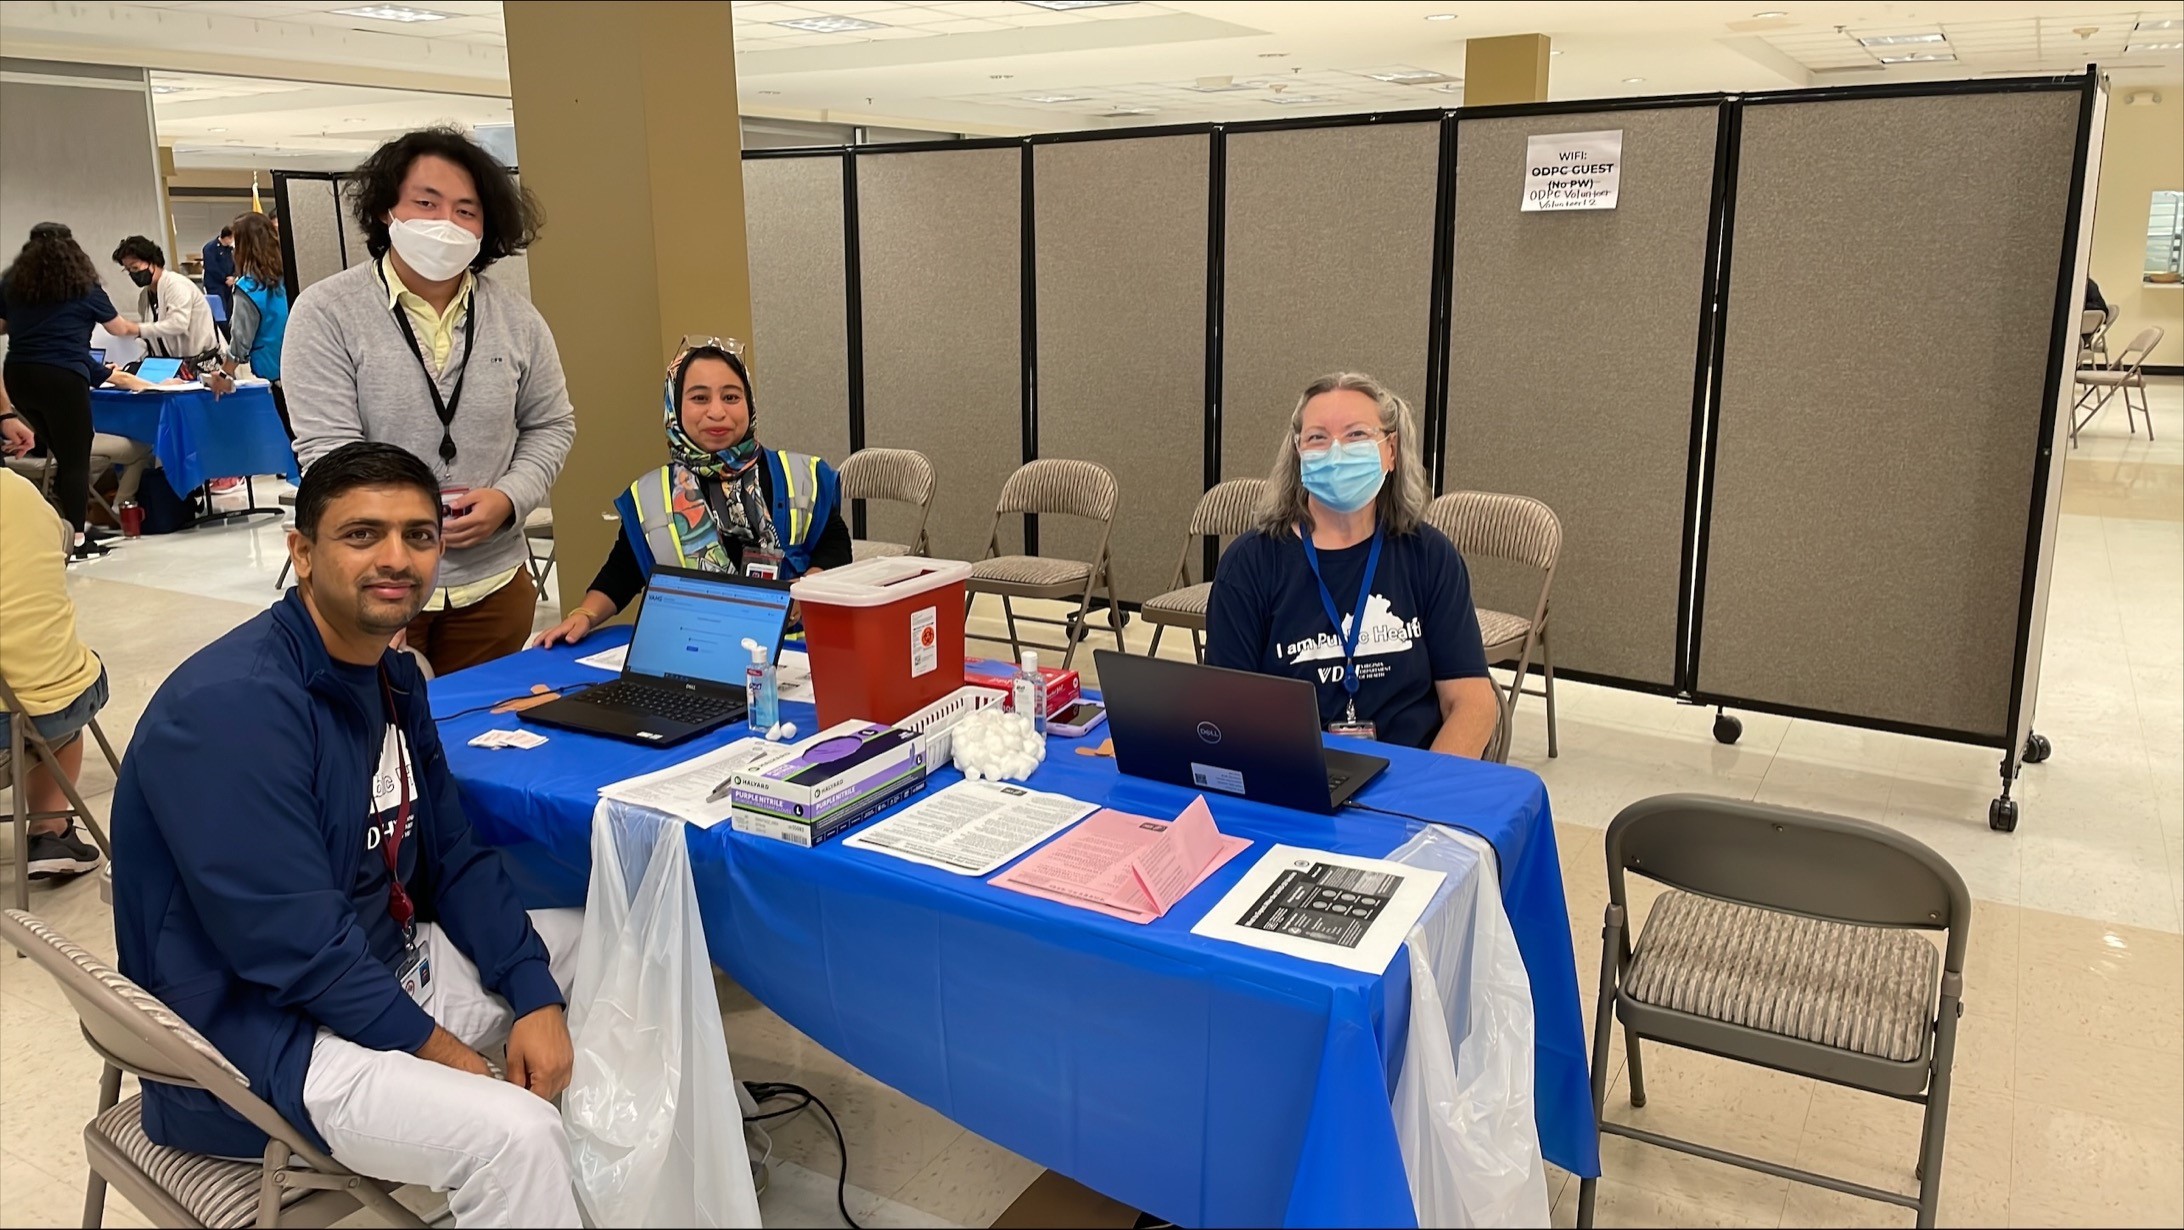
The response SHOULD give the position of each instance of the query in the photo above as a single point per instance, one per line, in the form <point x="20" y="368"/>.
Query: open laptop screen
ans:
<point x="692" y="626"/>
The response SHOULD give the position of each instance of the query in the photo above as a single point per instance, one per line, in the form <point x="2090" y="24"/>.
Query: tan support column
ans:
<point x="628" y="134"/>
<point x="172" y="243"/>
<point x="1509" y="69"/>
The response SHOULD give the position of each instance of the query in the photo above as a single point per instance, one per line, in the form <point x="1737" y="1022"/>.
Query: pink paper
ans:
<point x="1129" y="867"/>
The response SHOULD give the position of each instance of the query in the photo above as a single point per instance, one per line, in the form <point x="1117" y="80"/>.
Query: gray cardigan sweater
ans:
<point x="349" y="375"/>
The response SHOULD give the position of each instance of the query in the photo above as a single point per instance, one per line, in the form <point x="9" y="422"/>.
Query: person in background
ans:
<point x="50" y="301"/>
<point x="420" y="347"/>
<point x="1344" y="584"/>
<point x="219" y="257"/>
<point x="173" y="317"/>
<point x="723" y="503"/>
<point x="59" y="680"/>
<point x="2094" y="302"/>
<point x="327" y="919"/>
<point x="260" y="317"/>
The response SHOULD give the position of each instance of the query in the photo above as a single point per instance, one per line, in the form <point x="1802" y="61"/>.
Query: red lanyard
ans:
<point x="399" y="906"/>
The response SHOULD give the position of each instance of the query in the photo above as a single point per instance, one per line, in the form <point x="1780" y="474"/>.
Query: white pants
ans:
<point x="497" y="1149"/>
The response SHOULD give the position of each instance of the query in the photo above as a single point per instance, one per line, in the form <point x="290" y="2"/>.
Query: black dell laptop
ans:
<point x="1234" y="731"/>
<point x="685" y="670"/>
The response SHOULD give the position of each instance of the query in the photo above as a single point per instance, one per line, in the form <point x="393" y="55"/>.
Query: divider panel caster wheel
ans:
<point x="2002" y="815"/>
<point x="1727" y="729"/>
<point x="2038" y="749"/>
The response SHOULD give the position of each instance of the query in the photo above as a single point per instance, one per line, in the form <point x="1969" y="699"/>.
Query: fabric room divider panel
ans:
<point x="792" y="209"/>
<point x="1329" y="267"/>
<point x="1121" y="288"/>
<point x="311" y="226"/>
<point x="1573" y="339"/>
<point x="1893" y="270"/>
<point x="940" y="243"/>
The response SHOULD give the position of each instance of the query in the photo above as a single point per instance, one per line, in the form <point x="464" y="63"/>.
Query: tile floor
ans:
<point x="2070" y="1077"/>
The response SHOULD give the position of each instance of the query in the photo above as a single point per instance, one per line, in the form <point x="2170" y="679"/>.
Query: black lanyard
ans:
<point x="445" y="408"/>
<point x="1348" y="641"/>
<point x="399" y="906"/>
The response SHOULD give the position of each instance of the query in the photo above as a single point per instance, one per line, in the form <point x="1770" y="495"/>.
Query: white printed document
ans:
<point x="971" y="827"/>
<point x="695" y="789"/>
<point x="608" y="660"/>
<point x="1334" y="908"/>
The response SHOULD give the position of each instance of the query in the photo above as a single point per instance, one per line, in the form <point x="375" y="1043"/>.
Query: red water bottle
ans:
<point x="131" y="514"/>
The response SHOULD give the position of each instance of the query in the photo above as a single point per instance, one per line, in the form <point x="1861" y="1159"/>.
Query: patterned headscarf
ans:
<point x="736" y="470"/>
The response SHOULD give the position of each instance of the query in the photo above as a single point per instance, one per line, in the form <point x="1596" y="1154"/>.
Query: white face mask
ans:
<point x="436" y="248"/>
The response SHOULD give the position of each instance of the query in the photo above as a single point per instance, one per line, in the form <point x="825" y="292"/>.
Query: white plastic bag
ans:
<point x="655" y="1133"/>
<point x="1463" y="1100"/>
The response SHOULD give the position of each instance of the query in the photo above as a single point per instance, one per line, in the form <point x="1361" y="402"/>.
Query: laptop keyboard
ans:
<point x="674" y="704"/>
<point x="1336" y="780"/>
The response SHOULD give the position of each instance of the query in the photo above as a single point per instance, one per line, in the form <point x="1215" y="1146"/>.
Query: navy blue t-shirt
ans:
<point x="1266" y="616"/>
<point x="56" y="334"/>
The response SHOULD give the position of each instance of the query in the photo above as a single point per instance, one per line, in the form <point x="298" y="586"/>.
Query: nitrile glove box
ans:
<point x="825" y="783"/>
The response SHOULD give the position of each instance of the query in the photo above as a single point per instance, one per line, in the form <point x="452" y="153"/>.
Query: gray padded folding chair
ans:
<point x="1522" y="531"/>
<point x="1052" y="487"/>
<point x="898" y="474"/>
<point x="1223" y="512"/>
<point x="294" y="1184"/>
<point x="27" y="747"/>
<point x="2099" y="384"/>
<point x="538" y="528"/>
<point x="1787" y="941"/>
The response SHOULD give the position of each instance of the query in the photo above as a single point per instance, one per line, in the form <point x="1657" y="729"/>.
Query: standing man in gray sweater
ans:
<point x="420" y="349"/>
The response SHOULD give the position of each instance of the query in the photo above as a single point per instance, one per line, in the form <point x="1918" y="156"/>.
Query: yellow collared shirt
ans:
<point x="435" y="331"/>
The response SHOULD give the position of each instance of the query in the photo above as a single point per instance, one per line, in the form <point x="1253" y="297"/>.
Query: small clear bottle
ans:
<point x="1027" y="691"/>
<point x="762" y="688"/>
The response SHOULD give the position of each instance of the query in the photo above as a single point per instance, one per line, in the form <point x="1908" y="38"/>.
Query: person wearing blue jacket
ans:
<point x="299" y="883"/>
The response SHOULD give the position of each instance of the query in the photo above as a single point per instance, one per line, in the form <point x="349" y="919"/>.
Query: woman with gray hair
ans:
<point x="1343" y="582"/>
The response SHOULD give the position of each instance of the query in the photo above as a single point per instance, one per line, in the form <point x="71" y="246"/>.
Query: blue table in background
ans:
<point x="197" y="436"/>
<point x="1210" y="1083"/>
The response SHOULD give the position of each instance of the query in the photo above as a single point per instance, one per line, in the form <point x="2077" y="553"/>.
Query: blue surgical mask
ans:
<point x="1346" y="477"/>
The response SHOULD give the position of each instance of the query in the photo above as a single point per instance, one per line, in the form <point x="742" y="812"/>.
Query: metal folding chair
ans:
<point x="1519" y="530"/>
<point x="1223" y="512"/>
<point x="293" y="1184"/>
<point x="900" y="475"/>
<point x="1789" y="942"/>
<point x="26" y="747"/>
<point x="1051" y="488"/>
<point x="539" y="528"/>
<point x="2099" y="384"/>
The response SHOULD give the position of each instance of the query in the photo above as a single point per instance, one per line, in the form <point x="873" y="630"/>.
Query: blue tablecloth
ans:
<point x="1207" y="1082"/>
<point x="197" y="436"/>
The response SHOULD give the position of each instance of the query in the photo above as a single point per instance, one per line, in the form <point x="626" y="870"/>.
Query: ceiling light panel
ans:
<point x="392" y="12"/>
<point x="1920" y="57"/>
<point x="1070" y="6"/>
<point x="1409" y="76"/>
<point x="828" y="24"/>
<point x="1902" y="40"/>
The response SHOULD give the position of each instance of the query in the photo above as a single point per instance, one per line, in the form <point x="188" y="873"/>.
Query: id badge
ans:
<point x="1354" y="729"/>
<point x="763" y="565"/>
<point x="415" y="974"/>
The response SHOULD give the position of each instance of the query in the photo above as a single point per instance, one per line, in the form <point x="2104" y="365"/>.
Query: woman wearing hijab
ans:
<point x="723" y="502"/>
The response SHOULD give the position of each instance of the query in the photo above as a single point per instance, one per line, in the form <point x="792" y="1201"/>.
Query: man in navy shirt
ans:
<point x="300" y="885"/>
<point x="219" y="257"/>
<point x="1344" y="584"/>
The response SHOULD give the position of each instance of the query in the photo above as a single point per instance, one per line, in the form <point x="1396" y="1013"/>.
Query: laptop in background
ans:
<point x="1241" y="733"/>
<point x="685" y="669"/>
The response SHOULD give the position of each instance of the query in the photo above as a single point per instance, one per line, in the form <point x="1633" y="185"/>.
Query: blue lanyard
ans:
<point x="1357" y="615"/>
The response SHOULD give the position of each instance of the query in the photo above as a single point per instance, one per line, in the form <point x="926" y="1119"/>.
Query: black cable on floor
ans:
<point x="767" y="1091"/>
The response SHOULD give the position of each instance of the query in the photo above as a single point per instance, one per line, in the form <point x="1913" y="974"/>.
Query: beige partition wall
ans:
<point x="799" y="303"/>
<point x="1122" y="328"/>
<point x="1329" y="265"/>
<point x="312" y="225"/>
<point x="1573" y="341"/>
<point x="1893" y="275"/>
<point x="940" y="238"/>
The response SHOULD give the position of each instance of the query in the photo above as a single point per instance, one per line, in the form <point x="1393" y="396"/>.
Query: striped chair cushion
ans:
<point x="1031" y="570"/>
<point x="1500" y="628"/>
<point x="865" y="548"/>
<point x="217" y="1191"/>
<point x="1188" y="601"/>
<point x="1869" y="990"/>
<point x="137" y="997"/>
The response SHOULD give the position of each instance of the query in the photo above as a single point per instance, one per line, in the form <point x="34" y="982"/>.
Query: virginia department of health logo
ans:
<point x="1209" y="732"/>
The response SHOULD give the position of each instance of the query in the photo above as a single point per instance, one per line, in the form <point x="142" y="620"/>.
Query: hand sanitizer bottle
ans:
<point x="1027" y="692"/>
<point x="762" y="688"/>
